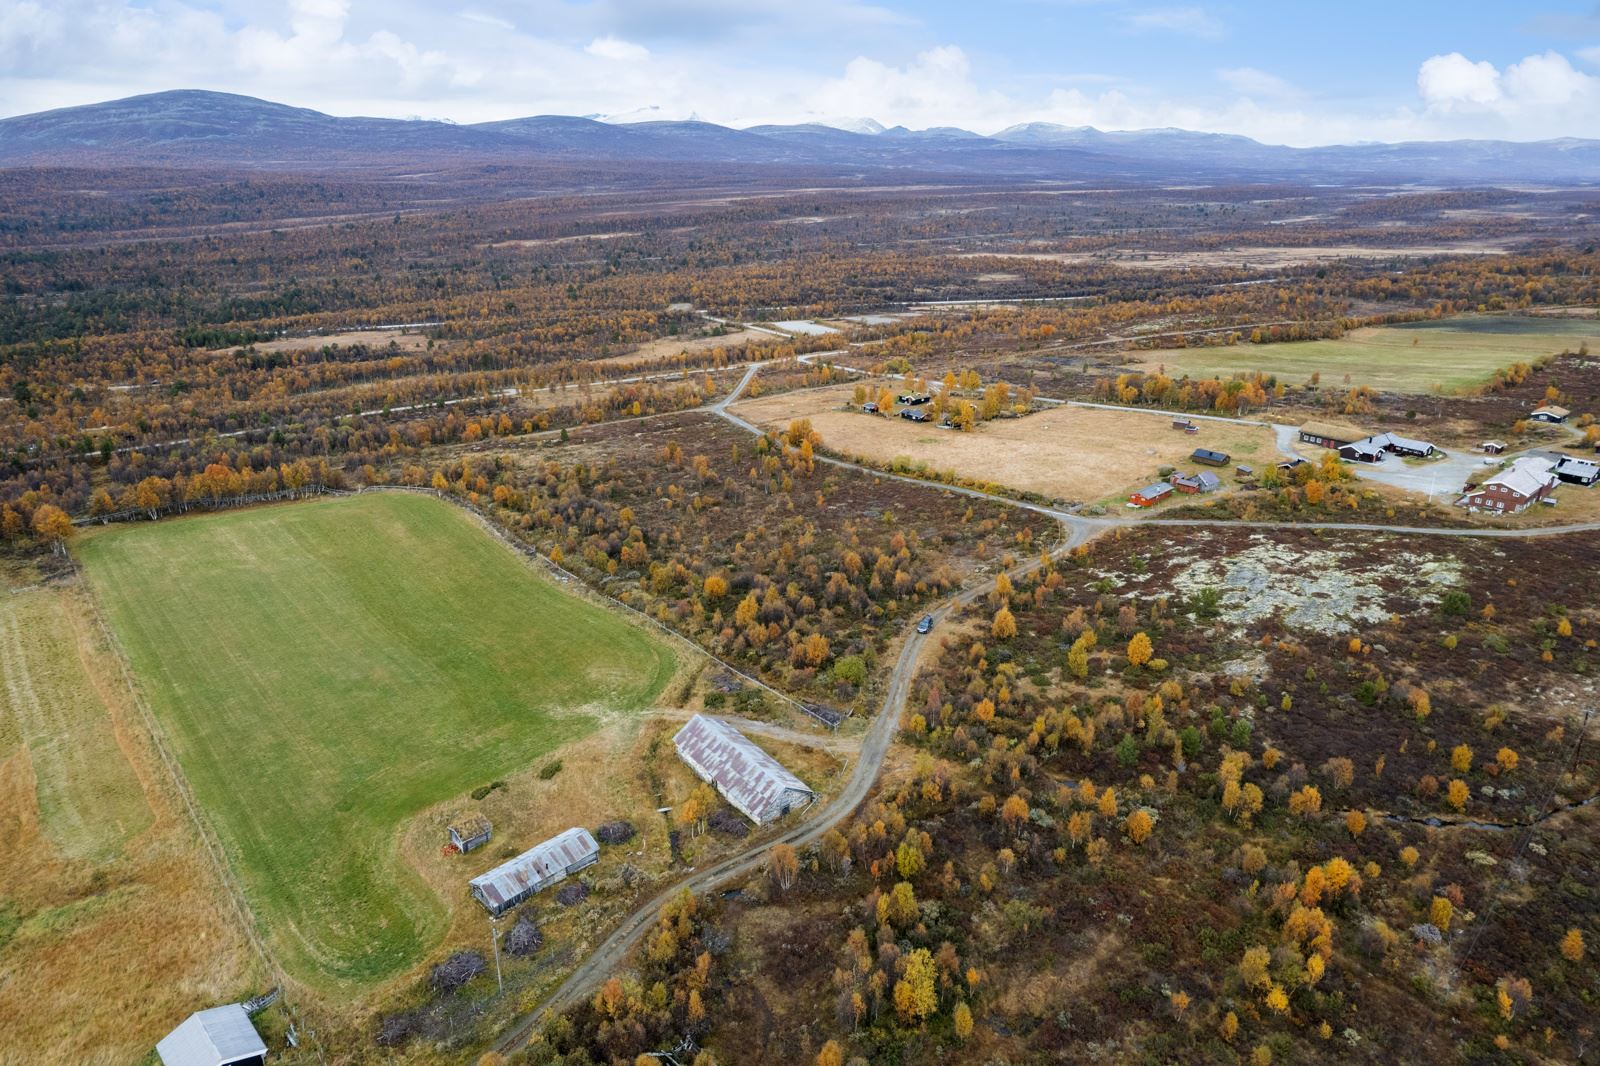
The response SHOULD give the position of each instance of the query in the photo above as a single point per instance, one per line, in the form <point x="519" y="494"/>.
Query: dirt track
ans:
<point x="613" y="951"/>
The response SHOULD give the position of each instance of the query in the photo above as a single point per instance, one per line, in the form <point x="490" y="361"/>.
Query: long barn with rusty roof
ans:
<point x="540" y="866"/>
<point x="751" y="780"/>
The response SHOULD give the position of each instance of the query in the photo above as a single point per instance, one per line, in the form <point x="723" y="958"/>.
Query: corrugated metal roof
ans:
<point x="1156" y="491"/>
<point x="746" y="776"/>
<point x="212" y="1037"/>
<point x="535" y="868"/>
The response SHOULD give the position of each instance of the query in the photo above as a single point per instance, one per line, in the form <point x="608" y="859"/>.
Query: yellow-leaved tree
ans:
<point x="963" y="1021"/>
<point x="915" y="996"/>
<point x="1138" y="826"/>
<point x="1140" y="649"/>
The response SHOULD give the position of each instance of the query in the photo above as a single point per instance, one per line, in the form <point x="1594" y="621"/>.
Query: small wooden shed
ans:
<point x="469" y="831"/>
<point x="1211" y="458"/>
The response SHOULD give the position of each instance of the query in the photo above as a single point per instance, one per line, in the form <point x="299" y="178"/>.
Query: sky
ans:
<point x="1295" y="72"/>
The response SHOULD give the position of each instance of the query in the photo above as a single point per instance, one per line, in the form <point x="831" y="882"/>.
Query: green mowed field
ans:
<point x="325" y="670"/>
<point x="1447" y="355"/>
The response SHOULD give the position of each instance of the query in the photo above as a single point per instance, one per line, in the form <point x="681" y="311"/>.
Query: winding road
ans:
<point x="612" y="952"/>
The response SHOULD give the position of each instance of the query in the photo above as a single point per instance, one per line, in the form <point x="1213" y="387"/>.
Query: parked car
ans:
<point x="926" y="624"/>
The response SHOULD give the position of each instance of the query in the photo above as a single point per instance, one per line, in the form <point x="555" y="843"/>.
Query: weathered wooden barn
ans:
<point x="1210" y="457"/>
<point x="469" y="831"/>
<point x="753" y="782"/>
<point x="539" y="867"/>
<point x="218" y="1036"/>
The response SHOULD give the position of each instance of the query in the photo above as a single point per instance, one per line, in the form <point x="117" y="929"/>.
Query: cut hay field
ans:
<point x="113" y="924"/>
<point x="1448" y="355"/>
<point x="1075" y="454"/>
<point x="326" y="671"/>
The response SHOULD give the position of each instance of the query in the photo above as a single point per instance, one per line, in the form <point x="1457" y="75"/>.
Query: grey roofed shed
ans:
<point x="219" y="1036"/>
<point x="754" y="782"/>
<point x="540" y="866"/>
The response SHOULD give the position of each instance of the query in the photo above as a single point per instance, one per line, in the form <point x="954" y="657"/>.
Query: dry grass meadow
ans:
<point x="1075" y="454"/>
<point x="110" y="912"/>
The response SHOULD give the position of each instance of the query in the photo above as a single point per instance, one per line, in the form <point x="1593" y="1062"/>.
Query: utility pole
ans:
<point x="494" y="936"/>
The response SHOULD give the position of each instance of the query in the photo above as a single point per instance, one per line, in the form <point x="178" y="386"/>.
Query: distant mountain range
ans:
<point x="199" y="128"/>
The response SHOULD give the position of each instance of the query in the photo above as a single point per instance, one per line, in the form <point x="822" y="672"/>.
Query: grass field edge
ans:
<point x="210" y="841"/>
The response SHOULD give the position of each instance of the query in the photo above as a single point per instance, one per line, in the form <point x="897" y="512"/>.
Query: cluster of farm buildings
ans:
<point x="750" y="780"/>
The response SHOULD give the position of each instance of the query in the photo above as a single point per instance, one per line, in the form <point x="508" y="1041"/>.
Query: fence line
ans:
<point x="210" y="843"/>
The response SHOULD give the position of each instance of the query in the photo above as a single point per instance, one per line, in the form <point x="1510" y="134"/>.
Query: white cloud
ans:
<point x="1190" y="21"/>
<point x="616" y="48"/>
<point x="1590" y="55"/>
<point x="1248" y="81"/>
<point x="1542" y="95"/>
<point x="934" y="89"/>
<point x="1451" y="81"/>
<point x="1547" y="80"/>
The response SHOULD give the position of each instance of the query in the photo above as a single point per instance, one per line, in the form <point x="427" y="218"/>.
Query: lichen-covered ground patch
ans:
<point x="1324" y="589"/>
